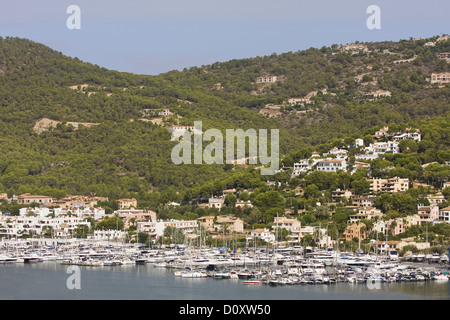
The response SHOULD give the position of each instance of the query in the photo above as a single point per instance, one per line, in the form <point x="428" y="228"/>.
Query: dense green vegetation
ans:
<point x="123" y="156"/>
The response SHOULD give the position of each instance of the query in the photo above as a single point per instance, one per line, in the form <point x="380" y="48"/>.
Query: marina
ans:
<point x="252" y="268"/>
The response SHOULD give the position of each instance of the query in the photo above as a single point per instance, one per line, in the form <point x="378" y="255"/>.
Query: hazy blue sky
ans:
<point x="151" y="37"/>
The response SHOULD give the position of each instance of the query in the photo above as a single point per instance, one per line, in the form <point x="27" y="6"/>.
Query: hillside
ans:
<point x="126" y="155"/>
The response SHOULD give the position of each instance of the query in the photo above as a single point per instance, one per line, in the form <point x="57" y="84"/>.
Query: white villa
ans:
<point x="416" y="136"/>
<point x="332" y="165"/>
<point x="266" y="79"/>
<point x="383" y="147"/>
<point x="179" y="131"/>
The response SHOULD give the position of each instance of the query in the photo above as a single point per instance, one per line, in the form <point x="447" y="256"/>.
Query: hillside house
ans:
<point x="179" y="131"/>
<point x="338" y="194"/>
<point x="242" y="204"/>
<point x="440" y="78"/>
<point x="126" y="203"/>
<point x="436" y="199"/>
<point x="428" y="213"/>
<point x="360" y="165"/>
<point x="165" y="112"/>
<point x="299" y="101"/>
<point x="333" y="165"/>
<point x="266" y="79"/>
<point x="383" y="147"/>
<point x="363" y="201"/>
<point x="444" y="55"/>
<point x="27" y="198"/>
<point x="444" y="214"/>
<point x="354" y="48"/>
<point x="379" y="94"/>
<point x="339" y="153"/>
<point x="217" y="203"/>
<point x="416" y="136"/>
<point x="303" y="166"/>
<point x="381" y="132"/>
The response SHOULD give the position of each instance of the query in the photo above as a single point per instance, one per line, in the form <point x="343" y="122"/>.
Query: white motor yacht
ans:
<point x="7" y="259"/>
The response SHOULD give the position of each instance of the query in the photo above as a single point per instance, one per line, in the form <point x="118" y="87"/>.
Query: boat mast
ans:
<point x="376" y="246"/>
<point x="359" y="237"/>
<point x="386" y="244"/>
<point x="276" y="235"/>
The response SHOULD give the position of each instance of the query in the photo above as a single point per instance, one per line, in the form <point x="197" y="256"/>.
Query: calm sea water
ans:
<point x="48" y="281"/>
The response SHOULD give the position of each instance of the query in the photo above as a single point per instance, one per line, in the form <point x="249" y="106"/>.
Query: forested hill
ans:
<point x="123" y="148"/>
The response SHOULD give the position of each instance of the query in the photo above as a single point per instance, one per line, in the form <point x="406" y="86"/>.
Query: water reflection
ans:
<point x="47" y="281"/>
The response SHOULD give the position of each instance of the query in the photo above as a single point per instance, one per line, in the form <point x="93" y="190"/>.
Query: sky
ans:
<point x="153" y="37"/>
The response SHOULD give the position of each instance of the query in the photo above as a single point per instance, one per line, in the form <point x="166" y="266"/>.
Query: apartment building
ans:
<point x="355" y="230"/>
<point x="394" y="226"/>
<point x="61" y="226"/>
<point x="363" y="201"/>
<point x="156" y="229"/>
<point x="392" y="185"/>
<point x="366" y="213"/>
<point x="428" y="213"/>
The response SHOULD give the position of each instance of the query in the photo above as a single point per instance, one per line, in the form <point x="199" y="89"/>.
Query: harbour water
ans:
<point x="48" y="280"/>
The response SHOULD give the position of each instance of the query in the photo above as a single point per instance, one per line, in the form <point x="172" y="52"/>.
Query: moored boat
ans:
<point x="252" y="282"/>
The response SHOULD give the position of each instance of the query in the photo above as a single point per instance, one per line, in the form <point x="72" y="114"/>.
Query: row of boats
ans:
<point x="280" y="266"/>
<point x="317" y="273"/>
<point x="290" y="266"/>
